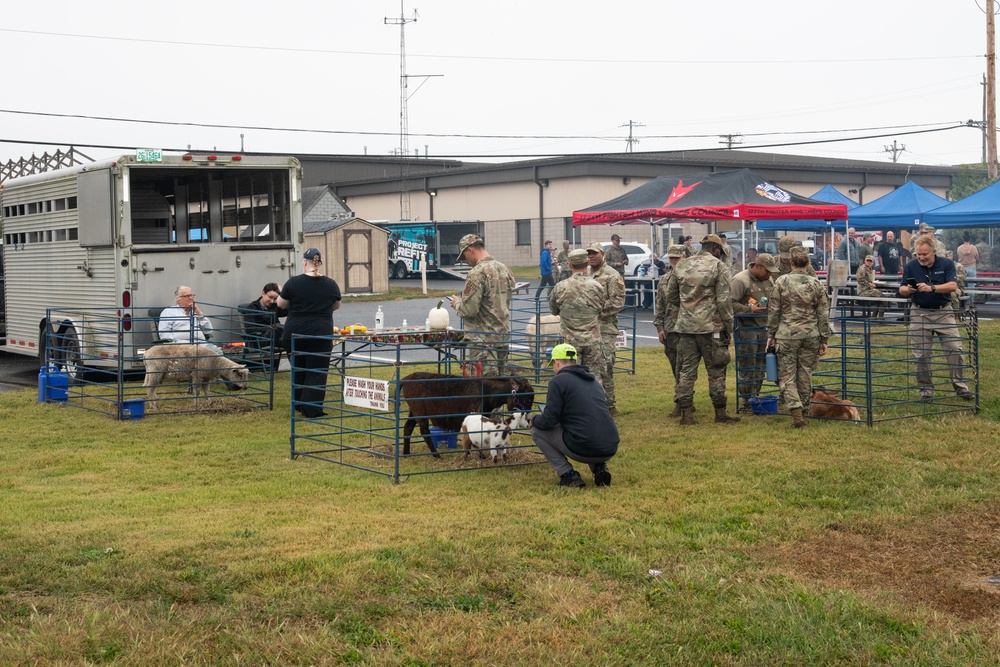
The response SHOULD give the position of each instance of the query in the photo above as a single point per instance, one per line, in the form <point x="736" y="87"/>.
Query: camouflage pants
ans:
<point x="871" y="308"/>
<point x="670" y="349"/>
<point x="592" y="356"/>
<point x="751" y="345"/>
<point x="607" y="368"/>
<point x="796" y="359"/>
<point x="692" y="348"/>
<point x="492" y="356"/>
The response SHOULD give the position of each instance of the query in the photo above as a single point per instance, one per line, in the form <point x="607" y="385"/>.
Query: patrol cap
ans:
<point x="615" y="237"/>
<point x="676" y="251"/>
<point x="923" y="227"/>
<point x="468" y="240"/>
<point x="563" y="352"/>
<point x="714" y="238"/>
<point x="313" y="255"/>
<point x="595" y="247"/>
<point x="767" y="261"/>
<point x="785" y="244"/>
<point x="798" y="250"/>
<point x="578" y="257"/>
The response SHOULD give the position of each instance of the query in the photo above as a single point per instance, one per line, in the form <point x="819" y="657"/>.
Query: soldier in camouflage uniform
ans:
<point x="926" y="230"/>
<point x="798" y="321"/>
<point x="750" y="290"/>
<point x="705" y="324"/>
<point x="562" y="259"/>
<point x="615" y="256"/>
<point x="614" y="301"/>
<point x="961" y="279"/>
<point x="578" y="302"/>
<point x="866" y="283"/>
<point x="785" y="246"/>
<point x="485" y="306"/>
<point x="666" y="318"/>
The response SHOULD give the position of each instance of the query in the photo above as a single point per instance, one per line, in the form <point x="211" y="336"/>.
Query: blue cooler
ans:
<point x="442" y="438"/>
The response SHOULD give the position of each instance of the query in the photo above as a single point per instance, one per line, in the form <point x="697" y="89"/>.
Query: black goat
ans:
<point x="446" y="400"/>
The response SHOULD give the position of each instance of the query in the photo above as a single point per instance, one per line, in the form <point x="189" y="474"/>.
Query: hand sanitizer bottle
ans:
<point x="404" y="325"/>
<point x="427" y="324"/>
<point x="378" y="319"/>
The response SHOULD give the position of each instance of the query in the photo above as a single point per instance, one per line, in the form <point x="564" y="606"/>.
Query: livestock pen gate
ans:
<point x="108" y="375"/>
<point x="365" y="413"/>
<point x="870" y="361"/>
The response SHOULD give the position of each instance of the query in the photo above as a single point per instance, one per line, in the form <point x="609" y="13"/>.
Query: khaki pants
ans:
<point x="924" y="324"/>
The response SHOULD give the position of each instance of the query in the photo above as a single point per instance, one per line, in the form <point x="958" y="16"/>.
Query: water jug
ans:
<point x="771" y="361"/>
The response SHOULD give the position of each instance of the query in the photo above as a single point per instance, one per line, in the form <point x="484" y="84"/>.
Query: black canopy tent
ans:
<point x="730" y="195"/>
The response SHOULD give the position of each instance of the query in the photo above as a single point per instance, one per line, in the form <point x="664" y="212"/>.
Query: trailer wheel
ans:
<point x="400" y="270"/>
<point x="65" y="351"/>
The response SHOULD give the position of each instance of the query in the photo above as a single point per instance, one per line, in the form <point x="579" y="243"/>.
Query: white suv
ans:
<point x="637" y="254"/>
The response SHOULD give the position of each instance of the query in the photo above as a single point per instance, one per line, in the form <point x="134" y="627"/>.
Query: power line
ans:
<point x="456" y="156"/>
<point x="257" y="47"/>
<point x="264" y="128"/>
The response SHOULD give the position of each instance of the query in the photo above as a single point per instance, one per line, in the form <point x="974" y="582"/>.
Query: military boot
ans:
<point x="798" y="421"/>
<point x="722" y="418"/>
<point x="687" y="418"/>
<point x="676" y="413"/>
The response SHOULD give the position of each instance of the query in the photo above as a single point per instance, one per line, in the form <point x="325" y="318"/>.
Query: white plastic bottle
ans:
<point x="404" y="325"/>
<point x="378" y="320"/>
<point x="427" y="324"/>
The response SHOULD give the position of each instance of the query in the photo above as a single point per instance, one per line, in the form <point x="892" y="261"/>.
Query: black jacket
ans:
<point x="576" y="402"/>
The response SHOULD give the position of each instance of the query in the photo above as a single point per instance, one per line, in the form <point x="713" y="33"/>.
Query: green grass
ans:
<point x="193" y="539"/>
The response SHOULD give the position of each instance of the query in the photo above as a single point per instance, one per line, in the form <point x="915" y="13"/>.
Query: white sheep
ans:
<point x="181" y="362"/>
<point x="492" y="431"/>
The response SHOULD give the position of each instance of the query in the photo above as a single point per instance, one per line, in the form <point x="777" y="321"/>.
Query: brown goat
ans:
<point x="446" y="400"/>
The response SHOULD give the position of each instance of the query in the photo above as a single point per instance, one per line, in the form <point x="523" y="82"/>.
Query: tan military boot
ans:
<point x="722" y="418"/>
<point x="687" y="418"/>
<point x="798" y="421"/>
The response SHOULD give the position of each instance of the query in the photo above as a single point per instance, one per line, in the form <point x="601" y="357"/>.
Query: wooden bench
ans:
<point x="522" y="286"/>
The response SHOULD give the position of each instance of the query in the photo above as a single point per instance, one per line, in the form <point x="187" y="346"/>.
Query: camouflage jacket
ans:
<point x="578" y="301"/>
<point x="562" y="262"/>
<point x="939" y="248"/>
<point x="666" y="314"/>
<point x="985" y="254"/>
<point x="785" y="267"/>
<point x="485" y="304"/>
<point x="745" y="286"/>
<point x="614" y="255"/>
<point x="614" y="296"/>
<point x="866" y="280"/>
<point x="798" y="308"/>
<point x="701" y="293"/>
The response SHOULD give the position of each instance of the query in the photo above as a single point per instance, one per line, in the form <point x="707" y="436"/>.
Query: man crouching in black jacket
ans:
<point x="575" y="423"/>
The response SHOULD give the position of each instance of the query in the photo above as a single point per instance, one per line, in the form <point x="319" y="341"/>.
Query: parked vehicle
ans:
<point x="119" y="235"/>
<point x="436" y="242"/>
<point x="637" y="254"/>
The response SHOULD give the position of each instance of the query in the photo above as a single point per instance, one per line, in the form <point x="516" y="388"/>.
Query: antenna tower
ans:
<point x="404" y="132"/>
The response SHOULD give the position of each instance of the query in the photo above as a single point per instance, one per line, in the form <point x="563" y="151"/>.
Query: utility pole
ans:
<point x="631" y="140"/>
<point x="895" y="149"/>
<point x="991" y="99"/>
<point x="730" y="140"/>
<point x="404" y="149"/>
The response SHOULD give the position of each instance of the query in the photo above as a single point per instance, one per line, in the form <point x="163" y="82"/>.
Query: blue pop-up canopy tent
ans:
<point x="981" y="209"/>
<point x="903" y="208"/>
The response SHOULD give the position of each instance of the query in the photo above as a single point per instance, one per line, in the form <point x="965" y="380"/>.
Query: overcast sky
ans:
<point x="548" y="77"/>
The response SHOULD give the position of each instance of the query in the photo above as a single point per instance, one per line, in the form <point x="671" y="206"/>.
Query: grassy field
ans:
<point x="193" y="539"/>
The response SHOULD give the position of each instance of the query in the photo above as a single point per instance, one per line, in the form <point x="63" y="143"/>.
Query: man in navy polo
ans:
<point x="929" y="281"/>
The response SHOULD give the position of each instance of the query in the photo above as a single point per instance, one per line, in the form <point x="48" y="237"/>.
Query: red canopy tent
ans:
<point x="728" y="195"/>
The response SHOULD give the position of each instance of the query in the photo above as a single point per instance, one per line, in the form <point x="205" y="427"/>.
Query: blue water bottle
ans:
<point x="771" y="362"/>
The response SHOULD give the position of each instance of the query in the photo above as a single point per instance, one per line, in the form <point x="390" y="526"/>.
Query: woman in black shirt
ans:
<point x="310" y="299"/>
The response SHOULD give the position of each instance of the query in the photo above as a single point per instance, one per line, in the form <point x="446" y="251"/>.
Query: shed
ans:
<point x="355" y="253"/>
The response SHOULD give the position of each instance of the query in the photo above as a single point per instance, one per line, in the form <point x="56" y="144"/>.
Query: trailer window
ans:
<point x="210" y="206"/>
